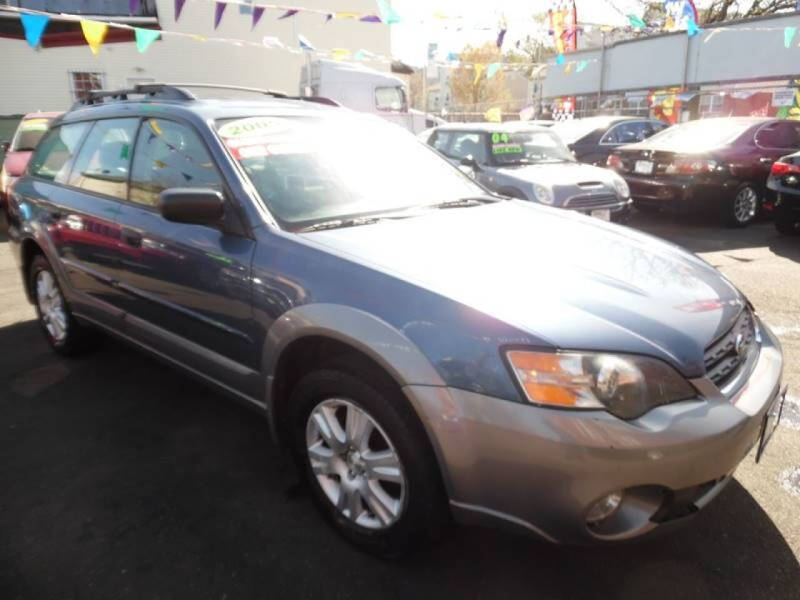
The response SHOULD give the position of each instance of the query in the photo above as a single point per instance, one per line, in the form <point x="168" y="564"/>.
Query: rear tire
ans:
<point x="743" y="207"/>
<point x="64" y="334"/>
<point x="349" y="486"/>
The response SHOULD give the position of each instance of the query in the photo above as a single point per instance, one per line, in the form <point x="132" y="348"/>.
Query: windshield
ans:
<point x="310" y="170"/>
<point x="390" y="98"/>
<point x="576" y="129"/>
<point x="526" y="147"/>
<point x="28" y="134"/>
<point x="697" y="136"/>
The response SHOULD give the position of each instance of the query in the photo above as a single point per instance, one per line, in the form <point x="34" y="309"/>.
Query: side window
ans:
<point x="626" y="133"/>
<point x="441" y="140"/>
<point x="54" y="153"/>
<point x="781" y="134"/>
<point x="468" y="144"/>
<point x="103" y="163"/>
<point x="169" y="155"/>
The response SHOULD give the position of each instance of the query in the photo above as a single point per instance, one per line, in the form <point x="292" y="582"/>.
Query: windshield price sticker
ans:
<point x="507" y="149"/>
<point x="253" y="126"/>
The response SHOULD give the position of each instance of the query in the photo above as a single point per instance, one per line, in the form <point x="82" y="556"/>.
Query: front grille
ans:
<point x="727" y="356"/>
<point x="593" y="201"/>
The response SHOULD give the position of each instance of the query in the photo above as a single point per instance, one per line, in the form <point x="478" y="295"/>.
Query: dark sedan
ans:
<point x="784" y="179"/>
<point x="592" y="139"/>
<point x="713" y="164"/>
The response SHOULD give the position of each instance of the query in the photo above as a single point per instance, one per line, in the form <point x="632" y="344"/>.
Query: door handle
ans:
<point x="765" y="161"/>
<point x="131" y="237"/>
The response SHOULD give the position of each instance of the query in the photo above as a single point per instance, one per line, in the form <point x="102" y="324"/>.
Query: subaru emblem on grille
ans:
<point x="739" y="346"/>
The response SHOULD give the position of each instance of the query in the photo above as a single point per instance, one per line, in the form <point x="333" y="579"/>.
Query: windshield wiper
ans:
<point x="339" y="223"/>
<point x="469" y="201"/>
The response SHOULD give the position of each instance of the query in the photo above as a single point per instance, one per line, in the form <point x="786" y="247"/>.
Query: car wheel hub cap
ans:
<point x="745" y="204"/>
<point x="355" y="464"/>
<point x="51" y="306"/>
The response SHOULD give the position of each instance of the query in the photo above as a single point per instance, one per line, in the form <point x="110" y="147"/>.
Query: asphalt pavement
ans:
<point x="122" y="478"/>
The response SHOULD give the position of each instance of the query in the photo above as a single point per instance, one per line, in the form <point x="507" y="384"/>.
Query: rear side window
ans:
<point x="627" y="133"/>
<point x="169" y="155"/>
<point x="53" y="155"/>
<point x="104" y="160"/>
<point x="783" y="134"/>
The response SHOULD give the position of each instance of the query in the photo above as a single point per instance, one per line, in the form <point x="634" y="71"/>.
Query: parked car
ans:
<point x="531" y="163"/>
<point x="784" y="179"/>
<point x="592" y="139"/>
<point x="717" y="164"/>
<point x="424" y="349"/>
<point x="18" y="150"/>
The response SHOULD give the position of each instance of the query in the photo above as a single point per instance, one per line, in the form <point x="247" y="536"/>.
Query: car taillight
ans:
<point x="615" y="162"/>
<point x="691" y="166"/>
<point x="781" y="168"/>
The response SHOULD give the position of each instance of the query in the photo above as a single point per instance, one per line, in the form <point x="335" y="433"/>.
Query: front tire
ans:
<point x="743" y="207"/>
<point x="64" y="334"/>
<point x="367" y="460"/>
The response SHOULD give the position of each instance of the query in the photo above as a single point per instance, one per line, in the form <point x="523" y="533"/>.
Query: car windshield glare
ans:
<point x="697" y="136"/>
<point x="525" y="147"/>
<point x="28" y="135"/>
<point x="310" y="170"/>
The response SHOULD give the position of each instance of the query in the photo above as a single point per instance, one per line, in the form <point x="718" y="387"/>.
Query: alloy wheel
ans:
<point x="355" y="464"/>
<point x="52" y="309"/>
<point x="745" y="205"/>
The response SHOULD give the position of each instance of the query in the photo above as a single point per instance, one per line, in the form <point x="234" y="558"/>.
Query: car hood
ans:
<point x="566" y="280"/>
<point x="555" y="174"/>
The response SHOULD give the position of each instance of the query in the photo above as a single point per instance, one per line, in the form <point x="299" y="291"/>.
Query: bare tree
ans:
<point x="724" y="10"/>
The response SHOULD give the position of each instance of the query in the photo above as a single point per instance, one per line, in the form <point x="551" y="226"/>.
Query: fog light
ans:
<point x="604" y="508"/>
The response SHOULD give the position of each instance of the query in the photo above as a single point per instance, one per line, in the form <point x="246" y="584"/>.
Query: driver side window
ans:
<point x="169" y="155"/>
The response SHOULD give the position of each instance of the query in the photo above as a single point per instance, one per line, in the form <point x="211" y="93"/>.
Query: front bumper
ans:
<point x="540" y="469"/>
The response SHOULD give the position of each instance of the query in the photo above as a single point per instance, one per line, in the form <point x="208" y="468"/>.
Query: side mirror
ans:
<point x="469" y="161"/>
<point x="198" y="206"/>
<point x="4" y="146"/>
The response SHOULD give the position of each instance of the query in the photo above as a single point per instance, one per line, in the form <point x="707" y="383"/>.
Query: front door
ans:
<point x="187" y="286"/>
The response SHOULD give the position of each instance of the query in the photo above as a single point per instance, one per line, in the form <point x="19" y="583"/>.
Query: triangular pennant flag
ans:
<point x="258" y="12"/>
<point x="581" y="66"/>
<point x="691" y="28"/>
<point x="219" y="10"/>
<point x="388" y="14"/>
<point x="178" y="8"/>
<point x="328" y="17"/>
<point x="636" y="22"/>
<point x="788" y="36"/>
<point x="492" y="70"/>
<point x="370" y="19"/>
<point x="568" y="68"/>
<point x="493" y="115"/>
<point x="346" y="15"/>
<point x="560" y="59"/>
<point x="133" y="6"/>
<point x="478" y="71"/>
<point x="34" y="27"/>
<point x="289" y="13"/>
<point x="304" y="43"/>
<point x="145" y="37"/>
<point x="95" y="33"/>
<point x="500" y="37"/>
<point x="340" y="53"/>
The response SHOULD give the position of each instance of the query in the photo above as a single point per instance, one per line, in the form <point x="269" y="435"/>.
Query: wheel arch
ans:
<point x="29" y="249"/>
<point x="315" y="332"/>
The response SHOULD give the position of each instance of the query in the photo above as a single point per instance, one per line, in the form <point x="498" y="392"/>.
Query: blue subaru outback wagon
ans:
<point x="424" y="348"/>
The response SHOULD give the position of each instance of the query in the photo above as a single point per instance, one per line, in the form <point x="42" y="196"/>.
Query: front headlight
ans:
<point x="542" y="193"/>
<point x="622" y="187"/>
<point x="625" y="385"/>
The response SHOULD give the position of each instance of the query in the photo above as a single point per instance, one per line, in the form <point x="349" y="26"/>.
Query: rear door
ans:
<point x="772" y="141"/>
<point x="187" y="287"/>
<point x="79" y="193"/>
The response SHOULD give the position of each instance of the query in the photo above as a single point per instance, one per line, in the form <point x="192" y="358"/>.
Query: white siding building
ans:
<point x="51" y="78"/>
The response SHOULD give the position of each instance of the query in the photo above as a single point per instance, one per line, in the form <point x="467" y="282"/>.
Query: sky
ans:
<point x="481" y="18"/>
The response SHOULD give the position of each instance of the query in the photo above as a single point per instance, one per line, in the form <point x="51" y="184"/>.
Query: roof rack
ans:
<point x="177" y="91"/>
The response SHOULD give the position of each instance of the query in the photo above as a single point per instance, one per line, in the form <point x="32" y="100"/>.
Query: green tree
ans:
<point x="470" y="87"/>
